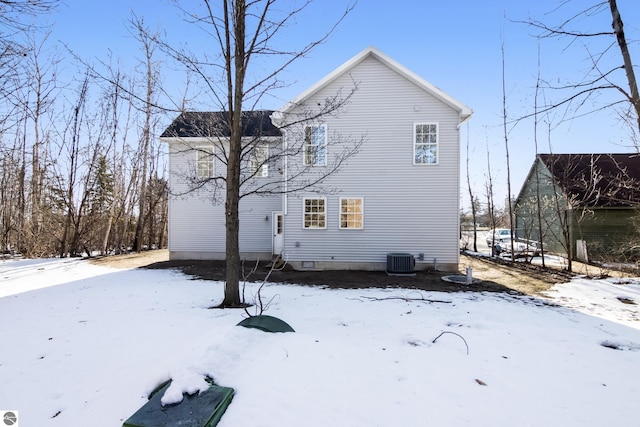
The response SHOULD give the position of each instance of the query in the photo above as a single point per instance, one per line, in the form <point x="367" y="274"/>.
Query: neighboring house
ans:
<point x="397" y="190"/>
<point x="591" y="198"/>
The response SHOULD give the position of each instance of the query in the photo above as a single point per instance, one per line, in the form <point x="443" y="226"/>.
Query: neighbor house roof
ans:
<point x="464" y="111"/>
<point x="597" y="180"/>
<point x="209" y="124"/>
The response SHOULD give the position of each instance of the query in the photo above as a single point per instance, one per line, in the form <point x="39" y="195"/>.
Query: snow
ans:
<point x="86" y="344"/>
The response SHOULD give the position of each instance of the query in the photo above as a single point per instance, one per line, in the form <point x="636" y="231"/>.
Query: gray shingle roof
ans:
<point x="209" y="124"/>
<point x="597" y="180"/>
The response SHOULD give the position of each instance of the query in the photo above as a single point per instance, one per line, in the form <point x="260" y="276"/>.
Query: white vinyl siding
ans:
<point x="351" y="213"/>
<point x="315" y="145"/>
<point x="425" y="143"/>
<point x="197" y="227"/>
<point x="204" y="161"/>
<point x="409" y="209"/>
<point x="315" y="212"/>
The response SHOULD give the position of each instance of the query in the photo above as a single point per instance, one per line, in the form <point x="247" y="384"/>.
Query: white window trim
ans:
<point x="304" y="145"/>
<point x="199" y="149"/>
<point x="361" y="213"/>
<point x="413" y="153"/>
<point x="263" y="172"/>
<point x="304" y="212"/>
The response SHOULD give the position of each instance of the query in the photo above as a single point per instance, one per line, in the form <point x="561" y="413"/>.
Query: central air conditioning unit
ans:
<point x="400" y="263"/>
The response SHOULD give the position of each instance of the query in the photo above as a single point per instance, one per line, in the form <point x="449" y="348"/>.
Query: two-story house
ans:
<point x="363" y="165"/>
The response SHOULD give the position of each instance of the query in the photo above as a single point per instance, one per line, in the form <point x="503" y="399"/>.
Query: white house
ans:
<point x="395" y="196"/>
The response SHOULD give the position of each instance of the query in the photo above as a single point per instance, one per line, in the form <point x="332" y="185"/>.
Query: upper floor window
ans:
<point x="204" y="161"/>
<point x="315" y="212"/>
<point x="351" y="213"/>
<point x="425" y="144"/>
<point x="315" y="145"/>
<point x="259" y="161"/>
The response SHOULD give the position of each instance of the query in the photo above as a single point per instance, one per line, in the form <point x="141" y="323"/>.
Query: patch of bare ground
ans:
<point x="518" y="276"/>
<point x="133" y="260"/>
<point x="496" y="275"/>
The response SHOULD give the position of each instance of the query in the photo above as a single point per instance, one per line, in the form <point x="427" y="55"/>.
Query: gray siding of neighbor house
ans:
<point x="606" y="231"/>
<point x="407" y="208"/>
<point x="552" y="206"/>
<point x="197" y="228"/>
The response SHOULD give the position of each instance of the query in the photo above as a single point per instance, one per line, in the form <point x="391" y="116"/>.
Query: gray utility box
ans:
<point x="400" y="263"/>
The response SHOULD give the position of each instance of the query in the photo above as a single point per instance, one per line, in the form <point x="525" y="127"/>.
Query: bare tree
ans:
<point x="490" y="202"/>
<point x="632" y="95"/>
<point x="540" y="237"/>
<point x="506" y="147"/>
<point x="21" y="75"/>
<point x="14" y="12"/>
<point x="151" y="81"/>
<point x="112" y="119"/>
<point x="42" y="88"/>
<point x="601" y="76"/>
<point x="16" y="19"/>
<point x="71" y="142"/>
<point x="243" y="33"/>
<point x="472" y="200"/>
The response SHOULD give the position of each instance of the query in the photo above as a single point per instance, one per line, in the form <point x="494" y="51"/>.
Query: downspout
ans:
<point x="277" y="118"/>
<point x="285" y="173"/>
<point x="459" y="231"/>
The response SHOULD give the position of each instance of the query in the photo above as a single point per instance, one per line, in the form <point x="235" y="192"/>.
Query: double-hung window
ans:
<point x="425" y="144"/>
<point x="315" y="212"/>
<point x="351" y="213"/>
<point x="259" y="161"/>
<point x="315" y="145"/>
<point x="204" y="161"/>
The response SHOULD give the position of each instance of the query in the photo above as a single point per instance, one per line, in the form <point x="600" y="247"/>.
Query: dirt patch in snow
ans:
<point x="494" y="275"/>
<point x="133" y="260"/>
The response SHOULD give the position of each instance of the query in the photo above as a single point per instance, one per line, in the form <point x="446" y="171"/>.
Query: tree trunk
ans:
<point x="472" y="199"/>
<point x="146" y="135"/>
<point x="232" y="285"/>
<point x="568" y="239"/>
<point x="235" y="80"/>
<point x="506" y="147"/>
<point x="626" y="56"/>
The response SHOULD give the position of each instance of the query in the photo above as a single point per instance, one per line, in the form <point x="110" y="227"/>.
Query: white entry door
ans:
<point x="278" y="229"/>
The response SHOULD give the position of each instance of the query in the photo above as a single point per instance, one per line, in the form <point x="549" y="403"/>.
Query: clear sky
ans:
<point x="454" y="44"/>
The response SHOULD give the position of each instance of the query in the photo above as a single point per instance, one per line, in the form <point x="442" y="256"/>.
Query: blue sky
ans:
<point x="456" y="45"/>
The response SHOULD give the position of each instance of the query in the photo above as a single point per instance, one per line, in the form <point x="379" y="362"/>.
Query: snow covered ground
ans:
<point x="84" y="345"/>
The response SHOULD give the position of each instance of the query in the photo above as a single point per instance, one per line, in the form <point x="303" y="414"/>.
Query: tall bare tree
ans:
<point x="540" y="237"/>
<point x="16" y="20"/>
<point x="71" y="142"/>
<point x="151" y="81"/>
<point x="472" y="200"/>
<point x="601" y="76"/>
<point x="506" y="148"/>
<point x="243" y="33"/>
<point x="490" y="201"/>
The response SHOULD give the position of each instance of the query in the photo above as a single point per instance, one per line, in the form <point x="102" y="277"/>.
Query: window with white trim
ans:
<point x="315" y="145"/>
<point x="259" y="161"/>
<point x="425" y="144"/>
<point x="351" y="213"/>
<point x="204" y="161"/>
<point x="315" y="212"/>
